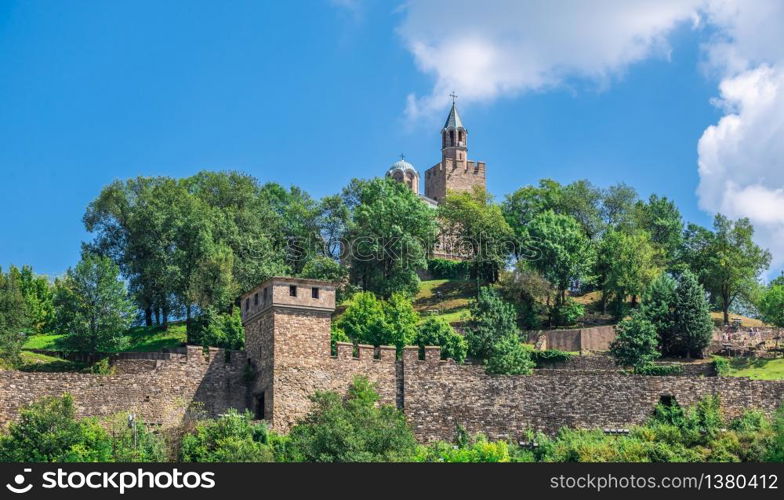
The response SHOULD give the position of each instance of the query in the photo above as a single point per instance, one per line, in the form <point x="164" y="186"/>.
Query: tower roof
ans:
<point x="403" y="166"/>
<point x="453" y="120"/>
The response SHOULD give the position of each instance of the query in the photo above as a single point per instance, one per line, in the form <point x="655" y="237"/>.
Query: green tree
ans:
<point x="564" y="255"/>
<point x="627" y="263"/>
<point x="215" y="329"/>
<point x="364" y="320"/>
<point x="492" y="319"/>
<point x="92" y="306"/>
<point x="618" y="204"/>
<point x="14" y="318"/>
<point x="329" y="269"/>
<point x="529" y="291"/>
<point x="636" y="343"/>
<point x="436" y="331"/>
<point x="232" y="437"/>
<point x="401" y="320"/>
<point x="388" y="237"/>
<point x="658" y="304"/>
<point x="662" y="220"/>
<point x="772" y="305"/>
<point x="478" y="228"/>
<point x="353" y="428"/>
<point x="727" y="260"/>
<point x="47" y="431"/>
<point x="692" y="324"/>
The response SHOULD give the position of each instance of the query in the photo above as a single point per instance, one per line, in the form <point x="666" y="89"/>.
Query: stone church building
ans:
<point x="455" y="172"/>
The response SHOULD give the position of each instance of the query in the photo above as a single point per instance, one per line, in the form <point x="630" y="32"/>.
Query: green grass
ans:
<point x="450" y="298"/>
<point x="757" y="369"/>
<point x="140" y="339"/>
<point x="34" y="362"/>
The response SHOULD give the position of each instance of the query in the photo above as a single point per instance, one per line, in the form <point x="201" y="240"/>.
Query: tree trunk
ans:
<point x="148" y="316"/>
<point x="157" y="317"/>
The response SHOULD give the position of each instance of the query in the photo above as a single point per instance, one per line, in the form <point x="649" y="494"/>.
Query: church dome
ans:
<point x="401" y="166"/>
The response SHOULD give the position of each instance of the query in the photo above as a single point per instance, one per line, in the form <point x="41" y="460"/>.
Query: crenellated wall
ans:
<point x="439" y="395"/>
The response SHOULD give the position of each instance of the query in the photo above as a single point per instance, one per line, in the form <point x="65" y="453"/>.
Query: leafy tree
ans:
<point x="328" y="269"/>
<point x="529" y="291"/>
<point x="491" y="320"/>
<point x="401" y="320"/>
<point x="727" y="260"/>
<point x="564" y="254"/>
<point x="46" y="431"/>
<point x="436" y="331"/>
<point x="658" y="304"/>
<point x="352" y="429"/>
<point x="233" y="437"/>
<point x="618" y="204"/>
<point x="627" y="262"/>
<point x="364" y="320"/>
<point x="662" y="220"/>
<point x="14" y="318"/>
<point x="480" y="229"/>
<point x="636" y="343"/>
<point x="216" y="329"/>
<point x="772" y="305"/>
<point x="388" y="237"/>
<point x="93" y="306"/>
<point x="580" y="200"/>
<point x="692" y="324"/>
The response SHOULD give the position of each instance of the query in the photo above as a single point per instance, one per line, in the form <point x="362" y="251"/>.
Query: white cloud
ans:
<point x="494" y="48"/>
<point x="498" y="48"/>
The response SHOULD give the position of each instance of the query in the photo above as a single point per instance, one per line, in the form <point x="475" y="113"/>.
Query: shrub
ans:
<point x="443" y="269"/>
<point x="215" y="329"/>
<point x="47" y="431"/>
<point x="542" y="358"/>
<point x="510" y="357"/>
<point x="721" y="365"/>
<point x="636" y="343"/>
<point x="492" y="319"/>
<point x="478" y="450"/>
<point x="351" y="429"/>
<point x="568" y="312"/>
<point x="658" y="370"/>
<point x="233" y="437"/>
<point x="132" y="441"/>
<point x="437" y="331"/>
<point x="364" y="320"/>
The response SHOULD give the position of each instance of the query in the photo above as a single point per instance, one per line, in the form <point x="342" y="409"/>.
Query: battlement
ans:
<point x="365" y="352"/>
<point x="295" y="293"/>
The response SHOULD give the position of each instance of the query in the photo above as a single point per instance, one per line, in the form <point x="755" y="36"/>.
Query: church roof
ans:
<point x="403" y="166"/>
<point x="453" y="120"/>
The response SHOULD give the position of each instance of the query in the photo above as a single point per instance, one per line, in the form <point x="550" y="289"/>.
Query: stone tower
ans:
<point x="455" y="172"/>
<point x="287" y="325"/>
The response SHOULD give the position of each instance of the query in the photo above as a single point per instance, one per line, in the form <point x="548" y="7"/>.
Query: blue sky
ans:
<point x="303" y="93"/>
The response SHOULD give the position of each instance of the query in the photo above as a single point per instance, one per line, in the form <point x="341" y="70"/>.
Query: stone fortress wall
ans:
<point x="288" y="358"/>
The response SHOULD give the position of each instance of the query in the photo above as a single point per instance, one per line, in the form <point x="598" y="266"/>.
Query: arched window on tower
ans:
<point x="460" y="138"/>
<point x="451" y="137"/>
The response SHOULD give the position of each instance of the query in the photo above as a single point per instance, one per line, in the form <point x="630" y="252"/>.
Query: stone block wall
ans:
<point x="440" y="395"/>
<point x="158" y="391"/>
<point x="594" y="339"/>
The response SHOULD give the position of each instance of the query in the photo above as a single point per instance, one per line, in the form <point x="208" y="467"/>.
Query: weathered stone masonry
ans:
<point x="287" y="330"/>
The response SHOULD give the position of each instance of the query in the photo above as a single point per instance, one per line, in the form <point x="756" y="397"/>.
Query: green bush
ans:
<point x="636" y="343"/>
<point x="47" y="431"/>
<point x="437" y="331"/>
<point x="543" y="358"/>
<point x="443" y="269"/>
<point x="478" y="450"/>
<point x="233" y="437"/>
<point x="568" y="312"/>
<point x="132" y="441"/>
<point x="509" y="357"/>
<point x="351" y="429"/>
<point x="721" y="365"/>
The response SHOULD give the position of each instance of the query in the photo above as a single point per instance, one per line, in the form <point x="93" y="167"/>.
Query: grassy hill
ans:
<point x="757" y="369"/>
<point x="140" y="339"/>
<point x="448" y="299"/>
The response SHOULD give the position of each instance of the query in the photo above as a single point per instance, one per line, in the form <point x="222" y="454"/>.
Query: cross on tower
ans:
<point x="402" y="156"/>
<point x="453" y="96"/>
